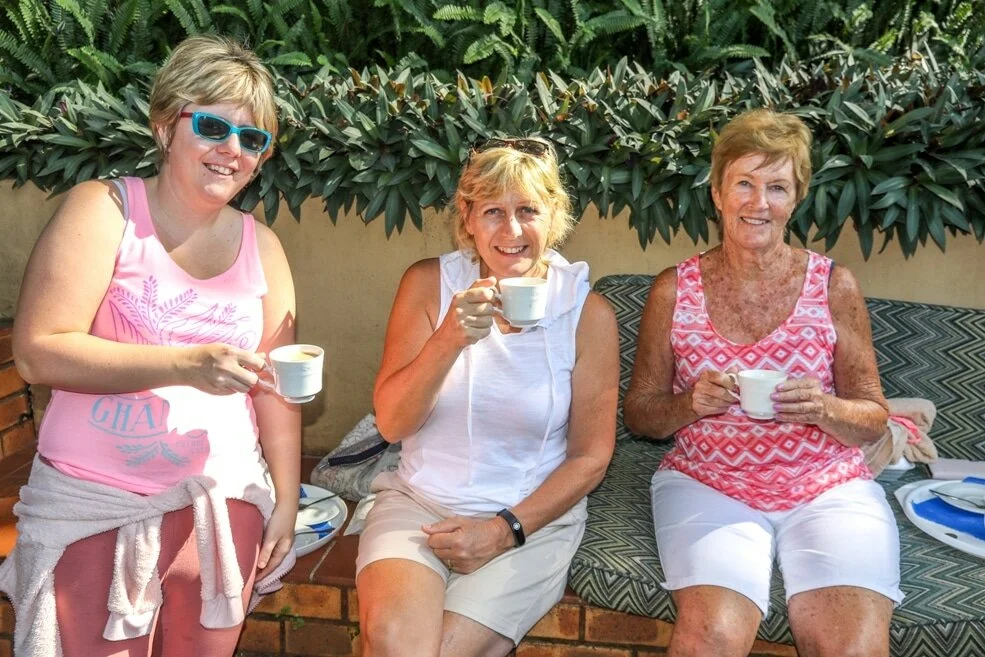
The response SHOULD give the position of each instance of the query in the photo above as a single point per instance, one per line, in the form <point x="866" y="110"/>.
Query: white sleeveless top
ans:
<point x="500" y="424"/>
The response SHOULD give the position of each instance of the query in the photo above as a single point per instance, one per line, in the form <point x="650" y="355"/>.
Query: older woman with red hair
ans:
<point x="737" y="491"/>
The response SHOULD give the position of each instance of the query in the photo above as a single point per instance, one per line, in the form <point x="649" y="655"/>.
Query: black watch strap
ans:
<point x="519" y="538"/>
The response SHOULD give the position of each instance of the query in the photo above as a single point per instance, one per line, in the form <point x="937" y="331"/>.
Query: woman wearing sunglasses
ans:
<point x="504" y="430"/>
<point x="145" y="307"/>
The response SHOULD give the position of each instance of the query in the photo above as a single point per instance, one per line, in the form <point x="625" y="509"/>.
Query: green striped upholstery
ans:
<point x="935" y="352"/>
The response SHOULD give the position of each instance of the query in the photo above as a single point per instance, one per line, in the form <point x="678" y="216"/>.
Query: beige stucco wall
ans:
<point x="346" y="276"/>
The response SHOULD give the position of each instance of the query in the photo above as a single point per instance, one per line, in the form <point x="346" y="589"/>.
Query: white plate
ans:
<point x="920" y="492"/>
<point x="320" y="516"/>
<point x="967" y="490"/>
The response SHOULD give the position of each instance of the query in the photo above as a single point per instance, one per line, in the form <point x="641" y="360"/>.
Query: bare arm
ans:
<point x="651" y="408"/>
<point x="279" y="422"/>
<point x="857" y="412"/>
<point x="416" y="357"/>
<point x="66" y="279"/>
<point x="471" y="542"/>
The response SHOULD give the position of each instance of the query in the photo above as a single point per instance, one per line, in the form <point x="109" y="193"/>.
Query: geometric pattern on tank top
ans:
<point x="771" y="466"/>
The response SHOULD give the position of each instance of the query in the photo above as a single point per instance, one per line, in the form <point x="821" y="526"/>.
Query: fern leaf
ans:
<point x="480" y="49"/>
<point x="185" y="17"/>
<point x="289" y="59"/>
<point x="458" y="13"/>
<point x="73" y="8"/>
<point x="550" y="23"/>
<point x="33" y="61"/>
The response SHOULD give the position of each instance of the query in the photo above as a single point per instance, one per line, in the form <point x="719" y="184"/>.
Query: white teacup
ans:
<point x="524" y="300"/>
<point x="297" y="370"/>
<point x="755" y="388"/>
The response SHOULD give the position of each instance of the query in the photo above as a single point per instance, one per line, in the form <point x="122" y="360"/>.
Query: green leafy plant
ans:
<point x="46" y="43"/>
<point x="899" y="150"/>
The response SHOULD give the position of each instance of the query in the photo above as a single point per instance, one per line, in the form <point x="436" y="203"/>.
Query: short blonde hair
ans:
<point x="496" y="171"/>
<point x="775" y="135"/>
<point x="208" y="69"/>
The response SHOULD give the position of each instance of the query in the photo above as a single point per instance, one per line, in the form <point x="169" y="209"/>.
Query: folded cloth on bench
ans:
<point x="906" y="435"/>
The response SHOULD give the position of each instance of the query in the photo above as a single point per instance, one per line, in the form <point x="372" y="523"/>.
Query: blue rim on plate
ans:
<point x="319" y="523"/>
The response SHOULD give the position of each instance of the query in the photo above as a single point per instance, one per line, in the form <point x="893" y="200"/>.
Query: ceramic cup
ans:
<point x="524" y="300"/>
<point x="297" y="371"/>
<point x="755" y="388"/>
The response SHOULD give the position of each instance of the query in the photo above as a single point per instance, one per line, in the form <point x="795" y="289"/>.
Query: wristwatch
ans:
<point x="519" y="538"/>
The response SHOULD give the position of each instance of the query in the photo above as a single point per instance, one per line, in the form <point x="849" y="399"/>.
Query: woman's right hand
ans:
<point x="221" y="369"/>
<point x="713" y="393"/>
<point x="470" y="316"/>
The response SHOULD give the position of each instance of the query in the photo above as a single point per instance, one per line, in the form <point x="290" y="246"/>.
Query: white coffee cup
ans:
<point x="297" y="370"/>
<point x="524" y="300"/>
<point x="755" y="388"/>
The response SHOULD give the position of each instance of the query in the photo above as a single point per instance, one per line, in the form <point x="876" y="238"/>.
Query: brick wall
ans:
<point x="321" y="620"/>
<point x="16" y="419"/>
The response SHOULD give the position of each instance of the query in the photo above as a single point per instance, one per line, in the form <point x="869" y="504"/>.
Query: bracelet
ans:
<point x="518" y="536"/>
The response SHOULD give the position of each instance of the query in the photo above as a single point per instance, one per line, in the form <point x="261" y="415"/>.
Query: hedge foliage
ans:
<point x="45" y="43"/>
<point x="899" y="151"/>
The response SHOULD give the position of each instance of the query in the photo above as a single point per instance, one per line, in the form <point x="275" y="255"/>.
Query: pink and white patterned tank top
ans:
<point x="771" y="466"/>
<point x="149" y="440"/>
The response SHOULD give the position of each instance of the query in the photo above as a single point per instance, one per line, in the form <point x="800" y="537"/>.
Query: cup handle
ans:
<point x="734" y="378"/>
<point x="268" y="385"/>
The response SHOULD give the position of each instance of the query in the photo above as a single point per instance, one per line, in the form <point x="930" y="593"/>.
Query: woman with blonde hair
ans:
<point x="784" y="481"/>
<point x="504" y="429"/>
<point x="150" y="507"/>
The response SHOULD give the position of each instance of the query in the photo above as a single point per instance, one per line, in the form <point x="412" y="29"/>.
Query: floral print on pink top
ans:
<point x="148" y="440"/>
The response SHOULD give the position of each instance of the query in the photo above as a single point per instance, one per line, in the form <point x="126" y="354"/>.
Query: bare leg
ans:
<point x="846" y="621"/>
<point x="401" y="604"/>
<point x="463" y="637"/>
<point x="712" y="620"/>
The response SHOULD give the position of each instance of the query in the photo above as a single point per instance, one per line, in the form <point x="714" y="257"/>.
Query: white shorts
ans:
<point x="846" y="536"/>
<point x="510" y="593"/>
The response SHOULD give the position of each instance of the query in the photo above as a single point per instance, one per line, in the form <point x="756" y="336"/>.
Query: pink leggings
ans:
<point x="84" y="573"/>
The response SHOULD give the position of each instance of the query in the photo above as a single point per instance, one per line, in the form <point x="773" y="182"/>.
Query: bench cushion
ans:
<point x="927" y="351"/>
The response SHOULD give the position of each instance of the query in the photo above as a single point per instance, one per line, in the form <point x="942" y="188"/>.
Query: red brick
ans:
<point x="604" y="626"/>
<point x="561" y="622"/>
<point x="321" y="639"/>
<point x="18" y="438"/>
<point x="305" y="601"/>
<point x="12" y="410"/>
<point x="6" y="617"/>
<point x="10" y="380"/>
<point x="353" y="601"/>
<point x="6" y="345"/>
<point x="767" y="649"/>
<point x="260" y="636"/>
<point x="544" y="649"/>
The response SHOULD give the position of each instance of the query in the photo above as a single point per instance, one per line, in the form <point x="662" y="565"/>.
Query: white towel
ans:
<point x="56" y="510"/>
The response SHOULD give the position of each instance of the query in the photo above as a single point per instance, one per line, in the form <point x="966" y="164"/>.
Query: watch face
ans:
<point x="516" y="526"/>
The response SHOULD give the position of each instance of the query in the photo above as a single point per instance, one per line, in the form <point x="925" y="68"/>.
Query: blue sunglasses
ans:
<point x="216" y="128"/>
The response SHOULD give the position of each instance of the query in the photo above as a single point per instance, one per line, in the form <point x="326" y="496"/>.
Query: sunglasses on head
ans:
<point x="216" y="128"/>
<point x="535" y="147"/>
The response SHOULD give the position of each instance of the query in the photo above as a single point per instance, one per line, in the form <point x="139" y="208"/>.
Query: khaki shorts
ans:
<point x="509" y="594"/>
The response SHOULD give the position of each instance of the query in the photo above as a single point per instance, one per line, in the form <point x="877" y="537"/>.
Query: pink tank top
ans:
<point x="149" y="440"/>
<point x="768" y="465"/>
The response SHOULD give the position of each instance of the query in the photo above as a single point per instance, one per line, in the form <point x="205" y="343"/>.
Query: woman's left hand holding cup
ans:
<point x="470" y="317"/>
<point x="801" y="401"/>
